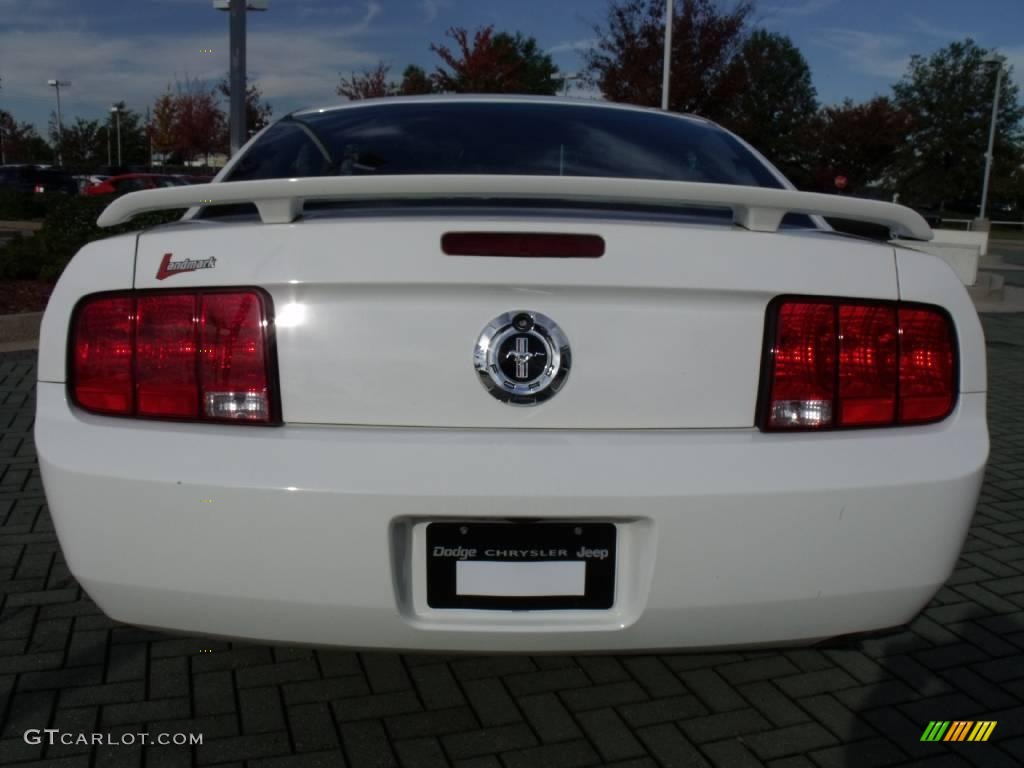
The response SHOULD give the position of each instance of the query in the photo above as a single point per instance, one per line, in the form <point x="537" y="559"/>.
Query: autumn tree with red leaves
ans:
<point x="369" y="84"/>
<point x="626" y="62"/>
<point x="858" y="141"/>
<point x="188" y="121"/>
<point x="494" y="63"/>
<point x="257" y="111"/>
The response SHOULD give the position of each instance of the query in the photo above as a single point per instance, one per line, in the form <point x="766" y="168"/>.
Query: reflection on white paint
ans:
<point x="291" y="315"/>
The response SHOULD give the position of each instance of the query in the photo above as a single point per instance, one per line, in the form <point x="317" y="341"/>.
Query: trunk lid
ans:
<point x="375" y="325"/>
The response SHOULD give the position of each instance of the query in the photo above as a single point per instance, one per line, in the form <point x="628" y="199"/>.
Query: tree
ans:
<point x="536" y="70"/>
<point x="626" y="63"/>
<point x="84" y="143"/>
<point x="415" y="81"/>
<point x="188" y="122"/>
<point x="949" y="98"/>
<point x="370" y="84"/>
<point x="134" y="137"/>
<point x="257" y="111"/>
<point x="21" y="143"/>
<point x="164" y="122"/>
<point x="858" y="141"/>
<point x="776" y="102"/>
<point x="494" y="63"/>
<point x="208" y="123"/>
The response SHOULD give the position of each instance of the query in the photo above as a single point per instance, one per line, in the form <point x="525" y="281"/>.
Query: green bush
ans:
<point x="24" y="206"/>
<point x="69" y="224"/>
<point x="20" y="259"/>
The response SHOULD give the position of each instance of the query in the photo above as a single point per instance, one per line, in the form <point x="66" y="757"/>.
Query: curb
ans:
<point x="20" y="327"/>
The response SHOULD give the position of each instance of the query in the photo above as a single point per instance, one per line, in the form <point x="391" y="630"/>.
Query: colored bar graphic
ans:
<point x="982" y="730"/>
<point x="958" y="730"/>
<point x="935" y="731"/>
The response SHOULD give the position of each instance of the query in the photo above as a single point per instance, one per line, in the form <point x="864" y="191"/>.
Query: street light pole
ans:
<point x="236" y="116"/>
<point x="116" y="109"/>
<point x="998" y="60"/>
<point x="236" y="122"/>
<point x="60" y="121"/>
<point x="667" y="67"/>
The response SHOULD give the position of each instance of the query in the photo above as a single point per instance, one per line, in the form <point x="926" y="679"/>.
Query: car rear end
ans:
<point x="31" y="179"/>
<point x="279" y="431"/>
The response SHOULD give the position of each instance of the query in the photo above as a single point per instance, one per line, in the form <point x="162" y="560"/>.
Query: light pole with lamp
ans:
<point x="667" y="66"/>
<point x="116" y="112"/>
<point x="58" y="84"/>
<point x="998" y="59"/>
<point x="3" y="149"/>
<point x="236" y="116"/>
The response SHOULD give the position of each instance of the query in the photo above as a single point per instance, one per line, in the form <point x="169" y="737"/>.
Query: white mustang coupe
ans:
<point x="509" y="373"/>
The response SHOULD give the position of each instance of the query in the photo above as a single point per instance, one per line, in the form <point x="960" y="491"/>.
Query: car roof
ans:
<point x="136" y="176"/>
<point x="497" y="98"/>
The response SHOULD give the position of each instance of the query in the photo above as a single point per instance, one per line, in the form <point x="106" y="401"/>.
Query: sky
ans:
<point x="112" y="50"/>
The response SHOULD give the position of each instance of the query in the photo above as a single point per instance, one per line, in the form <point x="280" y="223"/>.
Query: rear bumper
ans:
<point x="315" y="535"/>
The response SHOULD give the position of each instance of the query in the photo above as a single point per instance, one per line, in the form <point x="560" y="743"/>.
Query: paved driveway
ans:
<point x="853" y="703"/>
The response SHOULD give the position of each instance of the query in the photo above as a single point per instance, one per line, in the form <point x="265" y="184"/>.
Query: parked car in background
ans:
<point x="37" y="179"/>
<point x="509" y="374"/>
<point x="133" y="182"/>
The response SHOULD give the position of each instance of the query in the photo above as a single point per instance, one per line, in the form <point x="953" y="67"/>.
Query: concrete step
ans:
<point x="988" y="287"/>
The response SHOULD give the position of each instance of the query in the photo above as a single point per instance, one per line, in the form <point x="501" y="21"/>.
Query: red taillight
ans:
<point x="868" y="356"/>
<point x="39" y="189"/>
<point x="194" y="355"/>
<point x="541" y="245"/>
<point x="102" y="342"/>
<point x="805" y="363"/>
<point x="927" y="366"/>
<point x="839" y="363"/>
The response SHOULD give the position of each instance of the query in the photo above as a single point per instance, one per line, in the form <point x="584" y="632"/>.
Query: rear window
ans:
<point x="500" y="138"/>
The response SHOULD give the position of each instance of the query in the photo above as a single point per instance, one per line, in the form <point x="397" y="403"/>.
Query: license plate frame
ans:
<point x="593" y="544"/>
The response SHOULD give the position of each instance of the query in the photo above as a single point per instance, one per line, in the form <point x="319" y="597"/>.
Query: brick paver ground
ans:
<point x="856" y="702"/>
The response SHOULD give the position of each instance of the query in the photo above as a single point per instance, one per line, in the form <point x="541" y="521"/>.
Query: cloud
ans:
<point x="575" y="46"/>
<point x="801" y="8"/>
<point x="432" y="8"/>
<point x="936" y="31"/>
<point x="870" y="53"/>
<point x="293" y="68"/>
<point x="321" y="14"/>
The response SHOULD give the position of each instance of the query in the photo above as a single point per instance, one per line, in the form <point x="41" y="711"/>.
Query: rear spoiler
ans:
<point x="280" y="201"/>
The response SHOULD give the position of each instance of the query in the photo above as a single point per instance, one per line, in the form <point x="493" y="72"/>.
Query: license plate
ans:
<point x="521" y="566"/>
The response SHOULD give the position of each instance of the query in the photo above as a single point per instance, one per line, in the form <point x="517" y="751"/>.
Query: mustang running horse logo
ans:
<point x="522" y="356"/>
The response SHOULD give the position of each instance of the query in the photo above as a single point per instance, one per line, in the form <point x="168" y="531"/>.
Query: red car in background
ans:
<point x="133" y="182"/>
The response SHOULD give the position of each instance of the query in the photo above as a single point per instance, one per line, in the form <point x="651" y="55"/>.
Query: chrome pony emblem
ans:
<point x="522" y="358"/>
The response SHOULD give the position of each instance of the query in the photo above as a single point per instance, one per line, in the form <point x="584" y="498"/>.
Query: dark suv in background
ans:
<point x="33" y="178"/>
